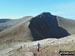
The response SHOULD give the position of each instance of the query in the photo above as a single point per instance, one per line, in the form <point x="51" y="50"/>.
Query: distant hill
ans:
<point x="42" y="26"/>
<point x="6" y="23"/>
<point x="3" y="23"/>
<point x="4" y="20"/>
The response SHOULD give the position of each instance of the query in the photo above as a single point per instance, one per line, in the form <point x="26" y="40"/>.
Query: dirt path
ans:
<point x="45" y="52"/>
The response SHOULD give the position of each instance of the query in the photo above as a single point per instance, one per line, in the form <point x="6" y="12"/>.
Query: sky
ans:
<point x="15" y="9"/>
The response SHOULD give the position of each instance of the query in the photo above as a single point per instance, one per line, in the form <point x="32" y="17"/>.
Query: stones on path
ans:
<point x="28" y="54"/>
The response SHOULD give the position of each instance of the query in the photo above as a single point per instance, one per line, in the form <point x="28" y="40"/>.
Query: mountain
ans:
<point x="3" y="23"/>
<point x="47" y="25"/>
<point x="6" y="23"/>
<point x="42" y="26"/>
<point x="4" y="20"/>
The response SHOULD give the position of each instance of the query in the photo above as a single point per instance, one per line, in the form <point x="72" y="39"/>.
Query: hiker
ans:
<point x="38" y="46"/>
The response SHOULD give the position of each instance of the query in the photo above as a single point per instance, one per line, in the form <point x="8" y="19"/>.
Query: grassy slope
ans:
<point x="17" y="32"/>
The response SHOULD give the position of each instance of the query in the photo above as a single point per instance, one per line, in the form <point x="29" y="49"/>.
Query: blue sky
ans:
<point x="15" y="9"/>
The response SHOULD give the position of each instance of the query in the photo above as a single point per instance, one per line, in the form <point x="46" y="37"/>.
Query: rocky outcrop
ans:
<point x="46" y="25"/>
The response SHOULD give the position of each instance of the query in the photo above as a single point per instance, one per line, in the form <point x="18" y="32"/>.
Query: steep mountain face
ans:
<point x="46" y="25"/>
<point x="67" y="24"/>
<point x="39" y="27"/>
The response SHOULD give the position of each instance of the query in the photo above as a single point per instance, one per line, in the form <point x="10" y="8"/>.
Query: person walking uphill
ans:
<point x="38" y="46"/>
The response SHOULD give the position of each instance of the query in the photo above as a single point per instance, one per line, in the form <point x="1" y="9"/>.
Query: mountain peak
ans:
<point x="46" y="13"/>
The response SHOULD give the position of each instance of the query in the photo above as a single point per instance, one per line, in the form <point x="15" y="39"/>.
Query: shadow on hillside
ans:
<point x="46" y="26"/>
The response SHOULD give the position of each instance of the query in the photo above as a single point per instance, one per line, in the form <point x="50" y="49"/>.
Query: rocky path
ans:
<point x="45" y="52"/>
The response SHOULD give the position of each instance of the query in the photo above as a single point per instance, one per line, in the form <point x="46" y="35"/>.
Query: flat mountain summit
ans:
<point x="42" y="26"/>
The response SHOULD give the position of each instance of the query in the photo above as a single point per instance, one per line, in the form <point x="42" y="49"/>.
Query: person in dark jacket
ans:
<point x="38" y="46"/>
